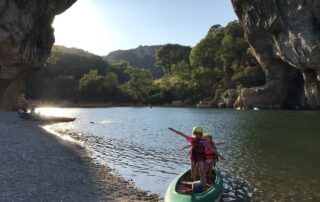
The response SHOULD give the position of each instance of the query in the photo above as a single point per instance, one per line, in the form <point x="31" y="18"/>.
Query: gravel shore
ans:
<point x="38" y="166"/>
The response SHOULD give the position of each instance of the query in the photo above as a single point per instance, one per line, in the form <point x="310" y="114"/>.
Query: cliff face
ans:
<point x="285" y="37"/>
<point x="26" y="38"/>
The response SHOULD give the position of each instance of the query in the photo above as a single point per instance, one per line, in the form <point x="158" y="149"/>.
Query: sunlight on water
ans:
<point x="54" y="111"/>
<point x="62" y="135"/>
<point x="105" y="122"/>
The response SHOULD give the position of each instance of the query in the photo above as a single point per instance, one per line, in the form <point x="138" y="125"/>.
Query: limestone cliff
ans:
<point x="285" y="37"/>
<point x="26" y="38"/>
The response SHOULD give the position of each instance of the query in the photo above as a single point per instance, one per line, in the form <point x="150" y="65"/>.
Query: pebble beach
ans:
<point x="39" y="166"/>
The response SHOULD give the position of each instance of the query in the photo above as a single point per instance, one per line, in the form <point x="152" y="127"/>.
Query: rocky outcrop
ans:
<point x="285" y="38"/>
<point x="26" y="38"/>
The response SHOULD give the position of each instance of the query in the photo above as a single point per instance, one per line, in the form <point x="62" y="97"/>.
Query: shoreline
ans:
<point x="179" y="104"/>
<point x="41" y="166"/>
<point x="67" y="104"/>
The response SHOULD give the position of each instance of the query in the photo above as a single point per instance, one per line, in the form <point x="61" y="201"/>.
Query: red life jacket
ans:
<point x="198" y="151"/>
<point x="211" y="154"/>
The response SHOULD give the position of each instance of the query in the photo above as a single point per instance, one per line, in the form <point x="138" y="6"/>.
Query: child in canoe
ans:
<point x="212" y="155"/>
<point x="197" y="153"/>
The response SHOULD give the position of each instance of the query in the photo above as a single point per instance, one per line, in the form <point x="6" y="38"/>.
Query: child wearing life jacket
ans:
<point x="197" y="153"/>
<point x="212" y="155"/>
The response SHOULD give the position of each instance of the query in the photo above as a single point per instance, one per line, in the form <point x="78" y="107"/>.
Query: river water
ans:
<point x="270" y="155"/>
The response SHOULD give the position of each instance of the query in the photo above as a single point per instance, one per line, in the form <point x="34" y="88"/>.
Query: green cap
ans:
<point x="197" y="129"/>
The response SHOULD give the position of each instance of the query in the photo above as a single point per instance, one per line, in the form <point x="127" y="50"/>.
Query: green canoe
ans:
<point x="178" y="190"/>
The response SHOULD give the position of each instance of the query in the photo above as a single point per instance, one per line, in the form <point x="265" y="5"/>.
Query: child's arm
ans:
<point x="220" y="156"/>
<point x="185" y="147"/>
<point x="217" y="153"/>
<point x="178" y="132"/>
<point x="218" y="142"/>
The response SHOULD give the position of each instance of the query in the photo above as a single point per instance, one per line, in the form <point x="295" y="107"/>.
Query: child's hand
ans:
<point x="218" y="142"/>
<point x="185" y="147"/>
<point x="172" y="130"/>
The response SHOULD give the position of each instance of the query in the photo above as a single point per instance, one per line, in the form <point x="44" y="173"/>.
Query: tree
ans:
<point x="73" y="62"/>
<point x="228" y="56"/>
<point x="139" y="83"/>
<point x="234" y="29"/>
<point x="119" y="68"/>
<point x="96" y="87"/>
<point x="65" y="87"/>
<point x="249" y="76"/>
<point x="203" y="80"/>
<point x="207" y="52"/>
<point x="182" y="68"/>
<point x="171" y="54"/>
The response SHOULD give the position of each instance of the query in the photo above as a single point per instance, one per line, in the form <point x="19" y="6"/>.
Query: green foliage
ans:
<point x="168" y="89"/>
<point x="120" y="68"/>
<point x="226" y="51"/>
<point x="139" y="83"/>
<point x="96" y="87"/>
<point x="38" y="87"/>
<point x="182" y="68"/>
<point x="213" y="28"/>
<point x="234" y="29"/>
<point x="203" y="80"/>
<point x="221" y="60"/>
<point x="140" y="57"/>
<point x="171" y="54"/>
<point x="206" y="53"/>
<point x="73" y="62"/>
<point x="249" y="76"/>
<point x="176" y="86"/>
<point x="65" y="87"/>
<point x="52" y="59"/>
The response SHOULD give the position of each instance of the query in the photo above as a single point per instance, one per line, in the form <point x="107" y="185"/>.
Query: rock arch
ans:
<point x="285" y="37"/>
<point x="26" y="38"/>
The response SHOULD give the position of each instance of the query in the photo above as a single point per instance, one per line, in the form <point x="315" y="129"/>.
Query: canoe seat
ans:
<point x="184" y="189"/>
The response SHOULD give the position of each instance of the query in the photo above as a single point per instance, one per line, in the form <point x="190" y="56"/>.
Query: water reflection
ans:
<point x="278" y="155"/>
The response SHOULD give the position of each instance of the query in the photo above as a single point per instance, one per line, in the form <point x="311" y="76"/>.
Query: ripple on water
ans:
<point x="271" y="155"/>
<point x="135" y="162"/>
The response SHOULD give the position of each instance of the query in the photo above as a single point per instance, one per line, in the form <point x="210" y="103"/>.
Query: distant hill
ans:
<point x="75" y="62"/>
<point x="141" y="57"/>
<point x="64" y="65"/>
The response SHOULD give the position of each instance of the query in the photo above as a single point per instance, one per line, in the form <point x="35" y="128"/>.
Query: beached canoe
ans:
<point x="37" y="117"/>
<point x="181" y="191"/>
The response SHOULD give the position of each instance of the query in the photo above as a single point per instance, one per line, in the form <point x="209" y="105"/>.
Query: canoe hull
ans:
<point x="37" y="117"/>
<point x="213" y="194"/>
<point x="52" y="119"/>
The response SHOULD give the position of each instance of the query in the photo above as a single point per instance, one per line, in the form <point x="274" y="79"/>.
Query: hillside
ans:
<point x="64" y="64"/>
<point x="73" y="61"/>
<point x="141" y="57"/>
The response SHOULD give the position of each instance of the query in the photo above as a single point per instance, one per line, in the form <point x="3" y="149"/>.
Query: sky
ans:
<point x="102" y="26"/>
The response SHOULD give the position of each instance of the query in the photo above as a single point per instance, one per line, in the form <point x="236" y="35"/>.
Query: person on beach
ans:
<point x="197" y="153"/>
<point x="24" y="107"/>
<point x="212" y="155"/>
<point x="22" y="103"/>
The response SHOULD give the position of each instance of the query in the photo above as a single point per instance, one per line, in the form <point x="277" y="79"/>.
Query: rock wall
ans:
<point x="26" y="38"/>
<point x="285" y="36"/>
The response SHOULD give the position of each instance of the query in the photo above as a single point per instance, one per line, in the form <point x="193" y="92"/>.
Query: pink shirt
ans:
<point x="205" y="143"/>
